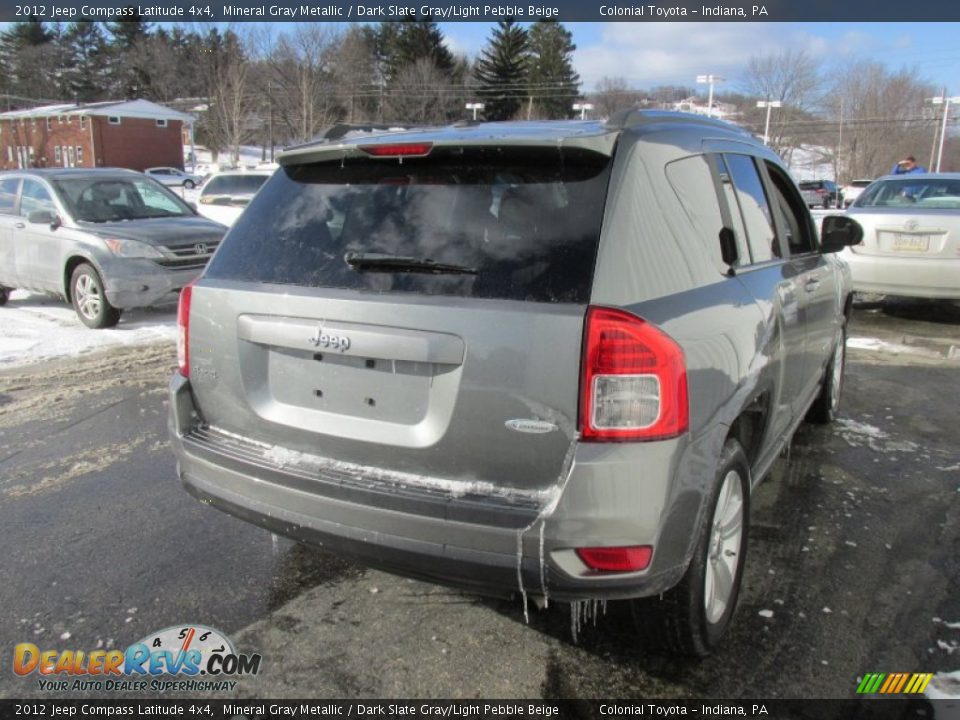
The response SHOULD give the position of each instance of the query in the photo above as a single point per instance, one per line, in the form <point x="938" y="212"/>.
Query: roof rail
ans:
<point x="635" y="117"/>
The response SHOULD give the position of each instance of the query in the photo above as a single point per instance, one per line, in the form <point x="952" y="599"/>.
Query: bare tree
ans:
<point x="301" y="84"/>
<point x="886" y="116"/>
<point x="355" y="75"/>
<point x="793" y="77"/>
<point x="229" y="119"/>
<point x="613" y="94"/>
<point x="422" y="93"/>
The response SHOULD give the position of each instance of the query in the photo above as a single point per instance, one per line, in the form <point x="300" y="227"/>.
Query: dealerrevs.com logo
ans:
<point x="181" y="658"/>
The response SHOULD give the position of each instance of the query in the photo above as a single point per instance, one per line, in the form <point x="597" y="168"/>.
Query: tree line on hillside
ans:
<point x="253" y="84"/>
<point x="860" y="119"/>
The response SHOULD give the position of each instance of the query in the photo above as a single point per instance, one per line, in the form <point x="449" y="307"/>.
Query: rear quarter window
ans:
<point x="526" y="220"/>
<point x="692" y="181"/>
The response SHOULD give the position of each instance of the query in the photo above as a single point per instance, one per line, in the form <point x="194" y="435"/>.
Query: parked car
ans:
<point x="548" y="359"/>
<point x="105" y="240"/>
<point x="174" y="177"/>
<point x="820" y="193"/>
<point x="226" y="194"/>
<point x="852" y="191"/>
<point x="911" y="240"/>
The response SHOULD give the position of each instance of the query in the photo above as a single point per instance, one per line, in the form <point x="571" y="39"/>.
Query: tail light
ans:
<point x="183" y="330"/>
<point x="616" y="559"/>
<point x="633" y="381"/>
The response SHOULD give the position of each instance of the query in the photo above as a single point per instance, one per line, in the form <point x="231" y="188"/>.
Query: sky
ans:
<point x="648" y="54"/>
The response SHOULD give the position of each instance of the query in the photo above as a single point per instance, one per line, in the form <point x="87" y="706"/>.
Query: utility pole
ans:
<point x="769" y="105"/>
<point x="710" y="80"/>
<point x="945" y="101"/>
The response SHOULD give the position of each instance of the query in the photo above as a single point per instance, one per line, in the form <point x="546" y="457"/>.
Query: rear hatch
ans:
<point x="417" y="308"/>
<point x="916" y="216"/>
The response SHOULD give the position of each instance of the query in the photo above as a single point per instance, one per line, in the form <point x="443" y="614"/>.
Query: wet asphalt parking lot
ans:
<point x="853" y="564"/>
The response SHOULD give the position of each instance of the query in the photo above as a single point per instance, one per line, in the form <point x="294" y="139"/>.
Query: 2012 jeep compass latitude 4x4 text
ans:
<point x="550" y="359"/>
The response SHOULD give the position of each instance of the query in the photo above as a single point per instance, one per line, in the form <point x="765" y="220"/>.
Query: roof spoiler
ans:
<point x="636" y="117"/>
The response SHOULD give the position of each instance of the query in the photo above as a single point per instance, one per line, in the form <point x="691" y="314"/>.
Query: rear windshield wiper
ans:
<point x="380" y="262"/>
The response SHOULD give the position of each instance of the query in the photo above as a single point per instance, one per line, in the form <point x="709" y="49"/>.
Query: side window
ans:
<point x="751" y="199"/>
<point x="8" y="195"/>
<point x="792" y="213"/>
<point x="35" y="197"/>
<point x="692" y="180"/>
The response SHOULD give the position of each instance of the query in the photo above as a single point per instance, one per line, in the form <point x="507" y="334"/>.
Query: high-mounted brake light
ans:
<point x="616" y="559"/>
<point x="398" y="149"/>
<point x="633" y="380"/>
<point x="183" y="330"/>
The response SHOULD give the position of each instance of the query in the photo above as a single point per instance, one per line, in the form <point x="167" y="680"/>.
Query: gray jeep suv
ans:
<point x="543" y="359"/>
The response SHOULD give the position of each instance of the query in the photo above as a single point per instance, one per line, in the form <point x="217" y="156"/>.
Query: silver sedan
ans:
<point x="911" y="240"/>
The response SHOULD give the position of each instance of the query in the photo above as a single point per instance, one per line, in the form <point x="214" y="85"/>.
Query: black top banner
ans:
<point x="485" y="10"/>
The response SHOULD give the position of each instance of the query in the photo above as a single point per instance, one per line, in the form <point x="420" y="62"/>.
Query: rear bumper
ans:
<point x="906" y="276"/>
<point x="488" y="547"/>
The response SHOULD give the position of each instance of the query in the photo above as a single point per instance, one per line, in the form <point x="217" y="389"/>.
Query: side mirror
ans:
<point x="838" y="232"/>
<point x="44" y="217"/>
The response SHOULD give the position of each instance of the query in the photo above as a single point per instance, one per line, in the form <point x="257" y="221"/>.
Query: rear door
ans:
<point x="773" y="282"/>
<point x="38" y="245"/>
<point x="422" y="314"/>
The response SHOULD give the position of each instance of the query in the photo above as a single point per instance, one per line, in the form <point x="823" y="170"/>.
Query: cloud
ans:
<point x="648" y="54"/>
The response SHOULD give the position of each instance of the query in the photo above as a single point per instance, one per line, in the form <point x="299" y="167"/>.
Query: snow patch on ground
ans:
<point x="865" y="343"/>
<point x="859" y="434"/>
<point x="35" y="327"/>
<point x="944" y="686"/>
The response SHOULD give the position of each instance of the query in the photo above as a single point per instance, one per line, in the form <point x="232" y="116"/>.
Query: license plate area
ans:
<point x="907" y="242"/>
<point x="897" y="241"/>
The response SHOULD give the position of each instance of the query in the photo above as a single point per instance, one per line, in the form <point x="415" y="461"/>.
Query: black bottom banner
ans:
<point x="495" y="709"/>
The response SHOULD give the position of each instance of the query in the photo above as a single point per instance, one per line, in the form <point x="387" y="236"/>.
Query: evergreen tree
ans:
<point x="127" y="34"/>
<point x="502" y="71"/>
<point x="420" y="39"/>
<point x="87" y="51"/>
<point x="129" y="63"/>
<point x="554" y="86"/>
<point x="20" y="46"/>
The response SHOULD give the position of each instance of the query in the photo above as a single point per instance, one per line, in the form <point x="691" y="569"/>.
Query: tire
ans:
<point x="690" y="619"/>
<point x="189" y="184"/>
<point x="89" y="301"/>
<point x="825" y="407"/>
<point x="4" y="295"/>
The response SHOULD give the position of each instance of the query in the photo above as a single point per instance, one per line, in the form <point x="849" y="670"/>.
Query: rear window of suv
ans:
<point x="506" y="223"/>
<point x="234" y="184"/>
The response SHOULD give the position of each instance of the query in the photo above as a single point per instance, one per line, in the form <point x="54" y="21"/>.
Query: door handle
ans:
<point x="19" y="226"/>
<point x="811" y="285"/>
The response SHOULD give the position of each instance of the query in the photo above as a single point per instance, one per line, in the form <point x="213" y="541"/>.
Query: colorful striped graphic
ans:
<point x="894" y="683"/>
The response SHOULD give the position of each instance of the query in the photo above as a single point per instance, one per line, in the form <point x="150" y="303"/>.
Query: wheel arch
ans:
<point x="69" y="266"/>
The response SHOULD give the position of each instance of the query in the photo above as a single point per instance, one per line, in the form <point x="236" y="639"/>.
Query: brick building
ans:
<point x="134" y="134"/>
